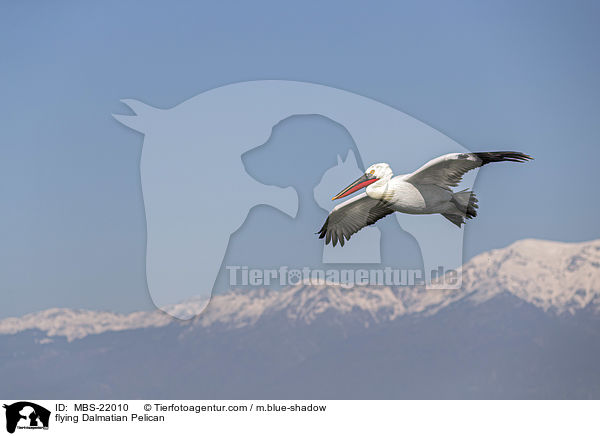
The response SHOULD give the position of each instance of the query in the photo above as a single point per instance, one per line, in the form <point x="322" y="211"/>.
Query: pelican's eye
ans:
<point x="372" y="172"/>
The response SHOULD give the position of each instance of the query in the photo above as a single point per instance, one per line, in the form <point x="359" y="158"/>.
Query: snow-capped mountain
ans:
<point x="553" y="276"/>
<point x="526" y="324"/>
<point x="556" y="276"/>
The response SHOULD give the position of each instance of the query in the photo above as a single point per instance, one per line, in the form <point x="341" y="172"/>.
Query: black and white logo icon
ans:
<point x="26" y="415"/>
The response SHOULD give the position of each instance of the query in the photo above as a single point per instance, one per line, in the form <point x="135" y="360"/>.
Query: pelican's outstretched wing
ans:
<point x="352" y="215"/>
<point x="447" y="171"/>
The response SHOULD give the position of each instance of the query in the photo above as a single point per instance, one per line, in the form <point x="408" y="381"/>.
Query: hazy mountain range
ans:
<point x="525" y="325"/>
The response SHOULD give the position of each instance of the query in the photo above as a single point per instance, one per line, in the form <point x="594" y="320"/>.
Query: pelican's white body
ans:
<point x="412" y="198"/>
<point x="407" y="197"/>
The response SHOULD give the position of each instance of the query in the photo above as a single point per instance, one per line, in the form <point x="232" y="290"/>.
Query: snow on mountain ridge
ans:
<point x="78" y="323"/>
<point x="562" y="277"/>
<point x="558" y="276"/>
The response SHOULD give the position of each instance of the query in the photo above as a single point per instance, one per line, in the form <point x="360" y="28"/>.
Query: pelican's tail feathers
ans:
<point x="466" y="202"/>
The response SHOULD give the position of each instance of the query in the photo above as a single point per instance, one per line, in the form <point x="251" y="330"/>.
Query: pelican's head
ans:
<point x="380" y="171"/>
<point x="374" y="173"/>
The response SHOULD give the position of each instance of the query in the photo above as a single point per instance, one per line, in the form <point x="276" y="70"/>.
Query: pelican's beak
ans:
<point x="362" y="182"/>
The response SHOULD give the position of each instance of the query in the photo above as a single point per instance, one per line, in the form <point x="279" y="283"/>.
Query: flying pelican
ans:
<point x="425" y="191"/>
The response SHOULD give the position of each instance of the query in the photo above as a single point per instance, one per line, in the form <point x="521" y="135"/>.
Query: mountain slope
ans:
<point x="526" y="325"/>
<point x="554" y="276"/>
<point x="558" y="276"/>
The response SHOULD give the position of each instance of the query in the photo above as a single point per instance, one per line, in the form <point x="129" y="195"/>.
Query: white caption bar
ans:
<point x="276" y="417"/>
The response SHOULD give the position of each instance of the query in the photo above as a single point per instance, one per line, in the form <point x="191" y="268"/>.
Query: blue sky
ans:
<point x="490" y="75"/>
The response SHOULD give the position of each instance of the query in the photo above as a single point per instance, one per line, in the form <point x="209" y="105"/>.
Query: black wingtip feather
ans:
<point x="323" y="230"/>
<point x="502" y="156"/>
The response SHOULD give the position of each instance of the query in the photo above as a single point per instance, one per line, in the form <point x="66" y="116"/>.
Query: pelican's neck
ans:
<point x="379" y="189"/>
